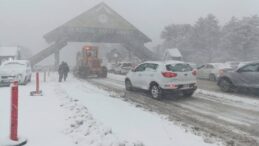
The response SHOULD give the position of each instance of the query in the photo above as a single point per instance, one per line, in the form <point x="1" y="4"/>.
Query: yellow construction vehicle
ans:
<point x="88" y="63"/>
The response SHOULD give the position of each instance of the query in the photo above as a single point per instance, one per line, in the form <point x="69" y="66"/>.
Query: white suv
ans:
<point x="15" y="70"/>
<point x="162" y="77"/>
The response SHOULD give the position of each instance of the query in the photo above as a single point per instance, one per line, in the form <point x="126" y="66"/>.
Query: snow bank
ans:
<point x="85" y="130"/>
<point x="41" y="120"/>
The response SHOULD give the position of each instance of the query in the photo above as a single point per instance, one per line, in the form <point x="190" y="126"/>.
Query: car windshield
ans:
<point x="178" y="67"/>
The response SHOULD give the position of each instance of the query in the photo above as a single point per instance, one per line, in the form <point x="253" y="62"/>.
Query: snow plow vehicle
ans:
<point x="88" y="63"/>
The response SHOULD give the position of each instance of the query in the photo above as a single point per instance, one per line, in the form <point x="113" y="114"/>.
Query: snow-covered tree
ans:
<point x="206" y="41"/>
<point x="205" y="38"/>
<point x="177" y="35"/>
<point x="241" y="38"/>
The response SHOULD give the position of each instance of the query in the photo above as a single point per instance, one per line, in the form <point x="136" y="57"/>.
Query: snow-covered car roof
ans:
<point x="16" y="61"/>
<point x="220" y="65"/>
<point x="13" y="67"/>
<point x="125" y="62"/>
<point x="174" y="62"/>
<point x="241" y="64"/>
<point x="165" y="62"/>
<point x="155" y="62"/>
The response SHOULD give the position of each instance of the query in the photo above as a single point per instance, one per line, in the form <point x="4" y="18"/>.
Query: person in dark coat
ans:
<point x="61" y="71"/>
<point x="66" y="70"/>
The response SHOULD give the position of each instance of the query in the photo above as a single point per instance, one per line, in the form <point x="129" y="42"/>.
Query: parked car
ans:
<point x="246" y="76"/>
<point x="233" y="64"/>
<point x="111" y="67"/>
<point x="243" y="63"/>
<point x="123" y="67"/>
<point x="15" y="70"/>
<point x="162" y="77"/>
<point x="212" y="71"/>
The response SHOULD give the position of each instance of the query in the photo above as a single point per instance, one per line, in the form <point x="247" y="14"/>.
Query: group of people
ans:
<point x="63" y="71"/>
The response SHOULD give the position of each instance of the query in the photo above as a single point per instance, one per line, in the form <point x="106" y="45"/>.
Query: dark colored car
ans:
<point x="244" y="77"/>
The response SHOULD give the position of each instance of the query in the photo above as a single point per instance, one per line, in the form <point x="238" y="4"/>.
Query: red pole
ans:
<point x="14" y="111"/>
<point x="37" y="83"/>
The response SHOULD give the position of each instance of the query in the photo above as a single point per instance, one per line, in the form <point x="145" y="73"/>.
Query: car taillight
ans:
<point x="169" y="74"/>
<point x="194" y="72"/>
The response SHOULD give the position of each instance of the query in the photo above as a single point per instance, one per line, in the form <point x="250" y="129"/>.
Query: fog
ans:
<point x="25" y="22"/>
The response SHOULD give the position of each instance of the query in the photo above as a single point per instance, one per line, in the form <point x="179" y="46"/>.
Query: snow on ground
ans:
<point x="247" y="102"/>
<point x="40" y="118"/>
<point x="116" y="77"/>
<point x="240" y="101"/>
<point x="77" y="113"/>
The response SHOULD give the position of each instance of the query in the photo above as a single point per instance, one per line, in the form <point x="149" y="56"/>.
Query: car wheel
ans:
<point x="188" y="93"/>
<point x="128" y="85"/>
<point x="225" y="85"/>
<point x="212" y="77"/>
<point x="155" y="91"/>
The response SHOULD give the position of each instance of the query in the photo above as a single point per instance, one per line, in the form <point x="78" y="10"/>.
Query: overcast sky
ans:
<point x="24" y="22"/>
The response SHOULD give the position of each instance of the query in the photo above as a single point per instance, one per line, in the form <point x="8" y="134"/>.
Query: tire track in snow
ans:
<point x="233" y="127"/>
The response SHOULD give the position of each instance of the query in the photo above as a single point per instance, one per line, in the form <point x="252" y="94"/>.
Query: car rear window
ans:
<point x="180" y="67"/>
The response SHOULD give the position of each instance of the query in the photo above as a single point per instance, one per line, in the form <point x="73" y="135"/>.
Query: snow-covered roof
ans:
<point x="174" y="52"/>
<point x="8" y="51"/>
<point x="100" y="17"/>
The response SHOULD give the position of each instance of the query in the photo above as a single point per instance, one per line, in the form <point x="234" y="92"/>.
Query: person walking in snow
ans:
<point x="66" y="71"/>
<point x="61" y="71"/>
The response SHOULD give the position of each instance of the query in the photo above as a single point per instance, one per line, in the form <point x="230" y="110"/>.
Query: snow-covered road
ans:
<point x="78" y="113"/>
<point x="234" y="118"/>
